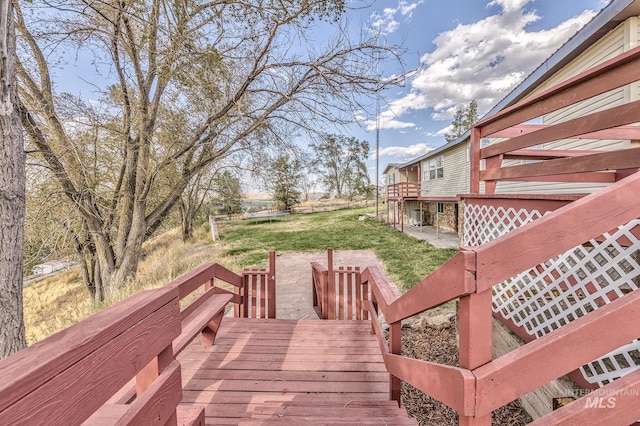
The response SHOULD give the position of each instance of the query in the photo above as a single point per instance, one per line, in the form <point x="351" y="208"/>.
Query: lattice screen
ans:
<point x="566" y="287"/>
<point x="485" y="223"/>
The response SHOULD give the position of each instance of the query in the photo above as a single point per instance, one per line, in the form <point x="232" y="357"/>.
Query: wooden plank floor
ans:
<point x="257" y="361"/>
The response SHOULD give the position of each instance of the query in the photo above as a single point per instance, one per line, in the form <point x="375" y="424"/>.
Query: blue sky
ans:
<point x="459" y="50"/>
<point x="462" y="50"/>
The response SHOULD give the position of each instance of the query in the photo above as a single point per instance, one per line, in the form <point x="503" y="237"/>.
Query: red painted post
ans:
<point x="263" y="296"/>
<point x="475" y="340"/>
<point x="151" y="371"/>
<point x="208" y="335"/>
<point x="341" y="296"/>
<point x="365" y="298"/>
<point x="350" y="280"/>
<point x="331" y="290"/>
<point x="492" y="163"/>
<point x="254" y="294"/>
<point x="395" y="347"/>
<point x="358" y="286"/>
<point x="245" y="296"/>
<point x="325" y="293"/>
<point x="475" y="160"/>
<point x="271" y="284"/>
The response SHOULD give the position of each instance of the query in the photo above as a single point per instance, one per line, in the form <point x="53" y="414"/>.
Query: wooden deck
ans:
<point x="263" y="371"/>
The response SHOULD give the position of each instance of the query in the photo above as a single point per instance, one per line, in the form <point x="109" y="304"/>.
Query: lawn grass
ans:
<point x="57" y="302"/>
<point x="406" y="259"/>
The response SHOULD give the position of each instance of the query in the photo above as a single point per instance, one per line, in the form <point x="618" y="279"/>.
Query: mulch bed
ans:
<point x="440" y="346"/>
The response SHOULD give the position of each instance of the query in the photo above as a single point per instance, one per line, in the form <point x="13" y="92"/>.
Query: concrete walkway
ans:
<point x="435" y="237"/>
<point x="293" y="279"/>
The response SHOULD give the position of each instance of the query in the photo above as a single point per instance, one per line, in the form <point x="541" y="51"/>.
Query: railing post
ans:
<point x="324" y="288"/>
<point x="151" y="371"/>
<point x="271" y="284"/>
<point x="395" y="347"/>
<point x="475" y="160"/>
<point x="475" y="341"/>
<point x="331" y="290"/>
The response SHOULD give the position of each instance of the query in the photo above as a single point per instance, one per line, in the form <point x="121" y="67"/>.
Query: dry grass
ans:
<point x="58" y="302"/>
<point x="54" y="304"/>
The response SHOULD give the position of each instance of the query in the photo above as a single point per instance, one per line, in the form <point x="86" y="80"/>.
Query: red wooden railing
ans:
<point x="481" y="384"/>
<point x="258" y="291"/>
<point x="561" y="165"/>
<point x="403" y="190"/>
<point x="338" y="293"/>
<point x="70" y="376"/>
<point x="119" y="366"/>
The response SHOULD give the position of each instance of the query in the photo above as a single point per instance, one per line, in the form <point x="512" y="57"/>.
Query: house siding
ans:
<point x="622" y="38"/>
<point x="456" y="174"/>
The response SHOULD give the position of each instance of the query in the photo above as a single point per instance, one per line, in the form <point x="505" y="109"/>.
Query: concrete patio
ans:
<point x="436" y="237"/>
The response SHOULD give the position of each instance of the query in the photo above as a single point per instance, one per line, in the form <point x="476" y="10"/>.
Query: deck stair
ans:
<point x="263" y="371"/>
<point x="328" y="410"/>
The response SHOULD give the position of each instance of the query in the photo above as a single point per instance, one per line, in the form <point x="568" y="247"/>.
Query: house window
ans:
<point x="440" y="207"/>
<point x="392" y="179"/>
<point x="425" y="175"/>
<point x="484" y="142"/>
<point x="436" y="168"/>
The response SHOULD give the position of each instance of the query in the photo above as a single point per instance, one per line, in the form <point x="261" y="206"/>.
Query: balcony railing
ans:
<point x="403" y="190"/>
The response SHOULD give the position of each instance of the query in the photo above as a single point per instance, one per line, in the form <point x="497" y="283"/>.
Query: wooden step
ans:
<point x="329" y="411"/>
<point x="315" y="368"/>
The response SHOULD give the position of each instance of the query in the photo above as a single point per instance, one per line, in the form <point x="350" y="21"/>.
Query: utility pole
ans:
<point x="377" y="153"/>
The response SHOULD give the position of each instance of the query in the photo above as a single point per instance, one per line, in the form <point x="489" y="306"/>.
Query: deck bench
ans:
<point x="204" y="318"/>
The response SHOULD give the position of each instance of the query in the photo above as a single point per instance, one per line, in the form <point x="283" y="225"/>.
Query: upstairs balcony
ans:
<point x="403" y="190"/>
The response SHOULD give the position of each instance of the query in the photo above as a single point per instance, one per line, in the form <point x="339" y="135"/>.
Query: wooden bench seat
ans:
<point x="199" y="319"/>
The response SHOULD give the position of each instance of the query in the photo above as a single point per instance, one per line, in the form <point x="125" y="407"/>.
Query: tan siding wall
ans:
<point x="624" y="37"/>
<point x="604" y="49"/>
<point x="456" y="174"/>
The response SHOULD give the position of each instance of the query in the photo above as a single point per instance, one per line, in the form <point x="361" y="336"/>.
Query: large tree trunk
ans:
<point x="12" y="182"/>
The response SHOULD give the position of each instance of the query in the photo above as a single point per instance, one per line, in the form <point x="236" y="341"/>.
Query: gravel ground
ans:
<point x="440" y="346"/>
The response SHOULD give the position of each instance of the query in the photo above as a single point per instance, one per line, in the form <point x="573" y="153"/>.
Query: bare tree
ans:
<point x="224" y="71"/>
<point x="340" y="161"/>
<point x="12" y="334"/>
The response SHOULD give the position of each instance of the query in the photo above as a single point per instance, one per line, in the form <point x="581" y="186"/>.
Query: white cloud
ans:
<point x="404" y="152"/>
<point x="484" y="61"/>
<point x="387" y="22"/>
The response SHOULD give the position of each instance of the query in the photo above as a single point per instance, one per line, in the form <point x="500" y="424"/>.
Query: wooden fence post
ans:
<point x="271" y="284"/>
<point x="475" y="323"/>
<point x="395" y="347"/>
<point x="331" y="291"/>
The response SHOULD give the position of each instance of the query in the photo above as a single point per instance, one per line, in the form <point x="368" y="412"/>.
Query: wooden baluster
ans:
<point x="245" y="297"/>
<point x="331" y="290"/>
<point x="395" y="347"/>
<point x="325" y="295"/>
<point x="271" y="284"/>
<point x="349" y="293"/>
<point x="254" y="291"/>
<point x="341" y="301"/>
<point x="358" y="285"/>
<point x="475" y="341"/>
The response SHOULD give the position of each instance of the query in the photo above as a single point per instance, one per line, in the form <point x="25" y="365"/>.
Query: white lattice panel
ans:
<point x="485" y="223"/>
<point x="568" y="286"/>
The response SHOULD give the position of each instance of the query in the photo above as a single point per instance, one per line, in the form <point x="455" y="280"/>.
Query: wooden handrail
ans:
<point x="227" y="276"/>
<point x="486" y="385"/>
<point x="40" y="385"/>
<point x="430" y="292"/>
<point x="570" y="347"/>
<point x="616" y="72"/>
